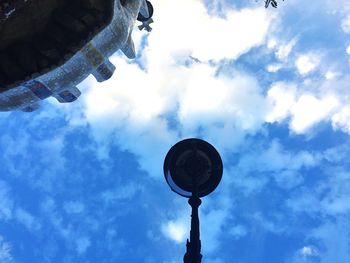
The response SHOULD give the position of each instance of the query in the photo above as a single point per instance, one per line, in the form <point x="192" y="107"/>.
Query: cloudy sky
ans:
<point x="269" y="88"/>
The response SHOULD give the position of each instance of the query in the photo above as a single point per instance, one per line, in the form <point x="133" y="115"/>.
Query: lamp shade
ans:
<point x="193" y="165"/>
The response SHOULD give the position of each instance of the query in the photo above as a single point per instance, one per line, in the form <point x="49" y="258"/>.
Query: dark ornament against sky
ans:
<point x="193" y="169"/>
<point x="272" y="2"/>
<point x="48" y="47"/>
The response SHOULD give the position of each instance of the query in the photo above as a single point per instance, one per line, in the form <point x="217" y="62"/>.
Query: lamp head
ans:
<point x="193" y="165"/>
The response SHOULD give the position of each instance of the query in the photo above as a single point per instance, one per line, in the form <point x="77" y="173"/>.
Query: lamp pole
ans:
<point x="193" y="169"/>
<point x="193" y="247"/>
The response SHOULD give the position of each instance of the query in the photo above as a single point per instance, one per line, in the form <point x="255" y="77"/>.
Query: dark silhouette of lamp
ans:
<point x="193" y="169"/>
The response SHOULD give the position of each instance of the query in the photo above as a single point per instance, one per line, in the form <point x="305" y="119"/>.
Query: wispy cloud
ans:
<point x="74" y="207"/>
<point x="5" y="251"/>
<point x="82" y="243"/>
<point x="6" y="202"/>
<point x="27" y="219"/>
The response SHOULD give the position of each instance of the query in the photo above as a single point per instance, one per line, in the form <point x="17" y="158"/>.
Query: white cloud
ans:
<point x="210" y="100"/>
<point x="271" y="43"/>
<point x="305" y="254"/>
<point x="197" y="32"/>
<point x="330" y="75"/>
<point x="177" y="231"/>
<point x="310" y="103"/>
<point x="308" y="110"/>
<point x="308" y="251"/>
<point x="348" y="50"/>
<point x="345" y="25"/>
<point x="304" y="110"/>
<point x="341" y="119"/>
<point x="307" y="63"/>
<point x="284" y="50"/>
<point x="273" y="68"/>
<point x="282" y="97"/>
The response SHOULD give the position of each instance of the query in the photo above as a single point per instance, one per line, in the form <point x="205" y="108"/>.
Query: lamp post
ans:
<point x="193" y="169"/>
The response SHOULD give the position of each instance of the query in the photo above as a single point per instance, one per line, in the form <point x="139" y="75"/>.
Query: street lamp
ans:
<point x="193" y="169"/>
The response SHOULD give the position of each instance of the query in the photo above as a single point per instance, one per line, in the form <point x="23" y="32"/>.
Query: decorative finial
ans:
<point x="145" y="16"/>
<point x="146" y="25"/>
<point x="272" y="2"/>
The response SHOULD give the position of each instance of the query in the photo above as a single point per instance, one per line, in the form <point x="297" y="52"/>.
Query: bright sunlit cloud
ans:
<point x="306" y="63"/>
<point x="309" y="110"/>
<point x="346" y="24"/>
<point x="176" y="231"/>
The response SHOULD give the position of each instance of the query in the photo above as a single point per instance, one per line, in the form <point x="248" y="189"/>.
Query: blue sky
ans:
<point x="268" y="88"/>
